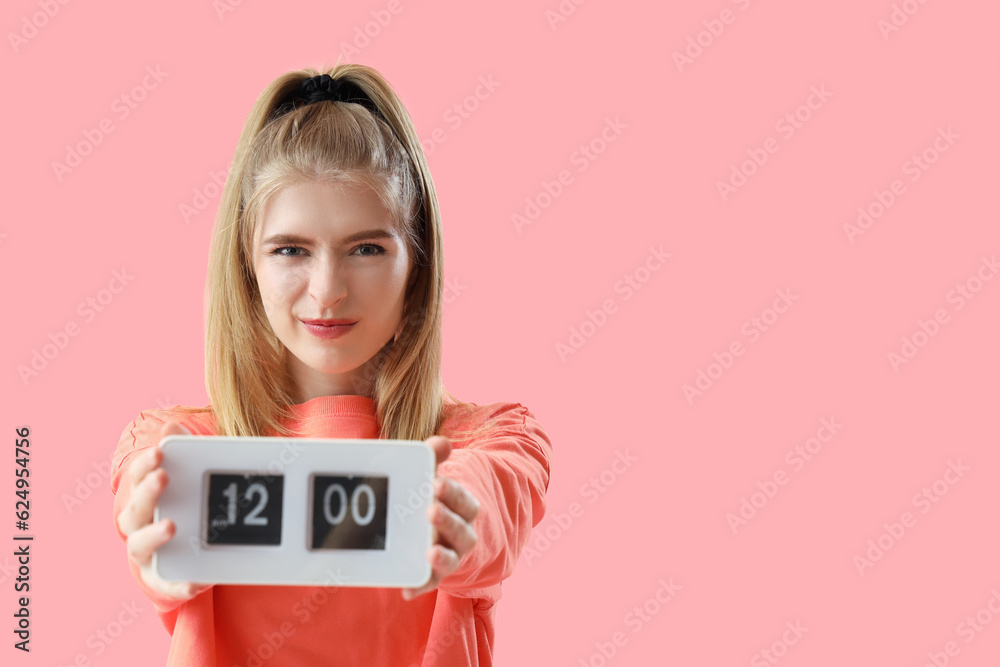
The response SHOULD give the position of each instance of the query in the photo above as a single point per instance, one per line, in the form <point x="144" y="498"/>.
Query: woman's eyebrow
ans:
<point x="280" y="239"/>
<point x="379" y="233"/>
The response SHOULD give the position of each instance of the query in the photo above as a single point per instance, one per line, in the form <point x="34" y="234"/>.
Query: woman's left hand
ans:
<point x="451" y="515"/>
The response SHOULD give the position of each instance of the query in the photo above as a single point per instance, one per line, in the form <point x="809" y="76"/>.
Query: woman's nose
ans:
<point x="327" y="283"/>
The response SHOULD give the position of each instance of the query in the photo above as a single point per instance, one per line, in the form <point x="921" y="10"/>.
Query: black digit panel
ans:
<point x="244" y="509"/>
<point x="349" y="512"/>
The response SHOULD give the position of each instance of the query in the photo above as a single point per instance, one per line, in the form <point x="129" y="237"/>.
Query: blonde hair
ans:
<point x="331" y="142"/>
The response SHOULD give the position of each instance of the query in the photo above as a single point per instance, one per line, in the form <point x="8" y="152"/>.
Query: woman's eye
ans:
<point x="365" y="250"/>
<point x="372" y="249"/>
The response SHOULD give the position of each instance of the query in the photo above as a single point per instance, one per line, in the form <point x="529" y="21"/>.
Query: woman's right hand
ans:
<point x="136" y="520"/>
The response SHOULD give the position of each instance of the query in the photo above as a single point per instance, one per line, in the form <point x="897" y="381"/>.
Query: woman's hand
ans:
<point x="136" y="520"/>
<point x="451" y="516"/>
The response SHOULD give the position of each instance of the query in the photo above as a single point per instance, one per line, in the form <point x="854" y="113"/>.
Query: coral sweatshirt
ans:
<point x="507" y="470"/>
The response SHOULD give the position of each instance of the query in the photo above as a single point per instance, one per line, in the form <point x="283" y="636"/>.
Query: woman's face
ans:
<point x="325" y="252"/>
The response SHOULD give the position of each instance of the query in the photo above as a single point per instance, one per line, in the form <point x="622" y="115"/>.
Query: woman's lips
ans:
<point x="326" y="330"/>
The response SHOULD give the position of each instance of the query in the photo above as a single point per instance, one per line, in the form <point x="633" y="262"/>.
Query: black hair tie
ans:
<point x="325" y="87"/>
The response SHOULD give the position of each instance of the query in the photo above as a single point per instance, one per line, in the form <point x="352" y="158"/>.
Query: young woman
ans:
<point x="324" y="321"/>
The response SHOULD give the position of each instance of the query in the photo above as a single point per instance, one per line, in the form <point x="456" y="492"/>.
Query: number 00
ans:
<point x="335" y="519"/>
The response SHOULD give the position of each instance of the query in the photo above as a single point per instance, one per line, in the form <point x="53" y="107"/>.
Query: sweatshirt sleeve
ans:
<point x="508" y="472"/>
<point x="141" y="434"/>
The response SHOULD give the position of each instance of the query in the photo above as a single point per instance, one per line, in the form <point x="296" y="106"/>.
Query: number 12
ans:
<point x="250" y="519"/>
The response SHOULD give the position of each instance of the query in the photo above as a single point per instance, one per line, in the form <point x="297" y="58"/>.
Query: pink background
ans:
<point x="599" y="554"/>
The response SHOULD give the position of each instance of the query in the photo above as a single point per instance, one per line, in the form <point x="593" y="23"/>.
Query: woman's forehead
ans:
<point x="325" y="212"/>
